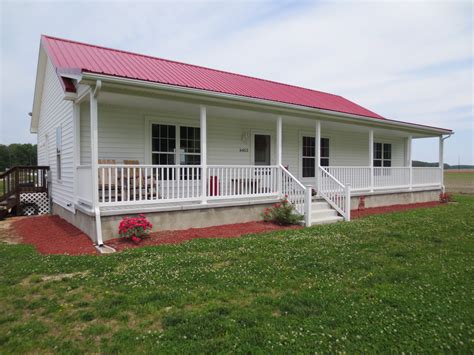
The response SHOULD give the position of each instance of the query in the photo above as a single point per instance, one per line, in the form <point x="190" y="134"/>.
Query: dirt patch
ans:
<point x="7" y="232"/>
<point x="59" y="277"/>
<point x="179" y="236"/>
<point x="394" y="208"/>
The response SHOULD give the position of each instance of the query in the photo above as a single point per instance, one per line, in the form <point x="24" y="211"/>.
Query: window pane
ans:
<point x="308" y="167"/>
<point x="325" y="147"/>
<point x="325" y="142"/>
<point x="155" y="130"/>
<point x="377" y="163"/>
<point x="324" y="162"/>
<point x="190" y="139"/>
<point x="325" y="152"/>
<point x="155" y="144"/>
<point x="309" y="147"/>
<point x="387" y="151"/>
<point x="262" y="149"/>
<point x="378" y="150"/>
<point x="387" y="163"/>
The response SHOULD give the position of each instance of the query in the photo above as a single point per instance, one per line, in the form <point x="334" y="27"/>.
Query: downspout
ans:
<point x="94" y="160"/>
<point x="443" y="188"/>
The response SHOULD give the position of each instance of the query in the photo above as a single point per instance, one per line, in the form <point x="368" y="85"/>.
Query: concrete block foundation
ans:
<point x="208" y="216"/>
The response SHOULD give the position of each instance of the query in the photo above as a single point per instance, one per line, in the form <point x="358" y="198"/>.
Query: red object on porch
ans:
<point x="214" y="186"/>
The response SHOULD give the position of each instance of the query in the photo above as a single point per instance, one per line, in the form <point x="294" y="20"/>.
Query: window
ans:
<point x="324" y="152"/>
<point x="382" y="155"/>
<point x="173" y="145"/>
<point x="58" y="152"/>
<point x="309" y="153"/>
<point x="190" y="145"/>
<point x="163" y="144"/>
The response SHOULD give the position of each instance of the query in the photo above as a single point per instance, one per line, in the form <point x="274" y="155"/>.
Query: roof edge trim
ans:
<point x="147" y="84"/>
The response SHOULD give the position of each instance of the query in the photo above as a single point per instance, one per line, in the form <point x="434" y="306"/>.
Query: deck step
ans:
<point x="326" y="220"/>
<point x="323" y="213"/>
<point x="320" y="205"/>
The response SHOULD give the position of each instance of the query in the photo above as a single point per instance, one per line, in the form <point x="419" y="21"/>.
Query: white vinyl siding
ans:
<point x="126" y="134"/>
<point x="56" y="112"/>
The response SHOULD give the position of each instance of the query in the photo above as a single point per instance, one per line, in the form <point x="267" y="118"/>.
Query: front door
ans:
<point x="262" y="149"/>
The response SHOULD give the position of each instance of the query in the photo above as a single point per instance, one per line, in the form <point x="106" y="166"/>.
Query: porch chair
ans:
<point x="104" y="187"/>
<point x="145" y="180"/>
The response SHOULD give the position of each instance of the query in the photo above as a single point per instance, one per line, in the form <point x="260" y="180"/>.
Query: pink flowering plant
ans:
<point x="282" y="213"/>
<point x="135" y="228"/>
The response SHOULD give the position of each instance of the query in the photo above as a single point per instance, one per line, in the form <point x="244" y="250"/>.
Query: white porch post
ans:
<point x="371" y="159"/>
<point x="279" y="139"/>
<point x="95" y="161"/>
<point x="317" y="153"/>
<point x="409" y="160"/>
<point x="203" y="125"/>
<point x="441" y="161"/>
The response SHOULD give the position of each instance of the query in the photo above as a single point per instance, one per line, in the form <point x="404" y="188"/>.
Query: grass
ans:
<point x="399" y="282"/>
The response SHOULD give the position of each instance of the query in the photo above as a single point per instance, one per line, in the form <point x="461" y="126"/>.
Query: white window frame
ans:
<point x="150" y="121"/>
<point x="382" y="159"/>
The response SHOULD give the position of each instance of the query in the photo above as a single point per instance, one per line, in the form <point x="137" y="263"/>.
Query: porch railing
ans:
<point x="337" y="194"/>
<point x="137" y="184"/>
<point x="241" y="181"/>
<point x="297" y="194"/>
<point x="385" y="178"/>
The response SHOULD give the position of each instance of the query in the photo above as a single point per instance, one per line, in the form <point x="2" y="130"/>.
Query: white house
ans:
<point x="189" y="146"/>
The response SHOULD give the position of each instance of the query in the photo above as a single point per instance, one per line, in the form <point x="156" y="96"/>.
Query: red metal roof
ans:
<point x="69" y="55"/>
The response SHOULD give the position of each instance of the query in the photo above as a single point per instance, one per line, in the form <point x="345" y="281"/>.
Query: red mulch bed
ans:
<point x="53" y="235"/>
<point x="179" y="236"/>
<point x="394" y="208"/>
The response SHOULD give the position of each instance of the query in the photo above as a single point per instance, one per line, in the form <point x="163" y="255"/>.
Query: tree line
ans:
<point x="17" y="154"/>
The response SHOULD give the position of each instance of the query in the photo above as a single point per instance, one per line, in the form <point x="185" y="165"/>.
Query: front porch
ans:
<point x="138" y="153"/>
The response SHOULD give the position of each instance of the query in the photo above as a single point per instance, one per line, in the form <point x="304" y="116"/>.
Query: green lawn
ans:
<point x="401" y="282"/>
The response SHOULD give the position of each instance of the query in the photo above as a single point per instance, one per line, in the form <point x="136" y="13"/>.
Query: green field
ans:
<point x="400" y="282"/>
<point x="457" y="181"/>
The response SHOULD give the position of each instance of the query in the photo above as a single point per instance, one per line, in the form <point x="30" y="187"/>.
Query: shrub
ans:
<point x="282" y="213"/>
<point x="135" y="228"/>
<point x="444" y="197"/>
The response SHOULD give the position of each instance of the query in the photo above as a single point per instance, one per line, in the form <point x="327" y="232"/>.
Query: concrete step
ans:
<point x="320" y="205"/>
<point x="321" y="214"/>
<point x="326" y="220"/>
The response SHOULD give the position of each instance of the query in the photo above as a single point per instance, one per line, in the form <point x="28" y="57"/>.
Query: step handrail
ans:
<point x="334" y="192"/>
<point x="297" y="194"/>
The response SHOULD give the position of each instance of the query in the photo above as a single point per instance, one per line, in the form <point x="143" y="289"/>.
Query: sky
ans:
<point x="406" y="60"/>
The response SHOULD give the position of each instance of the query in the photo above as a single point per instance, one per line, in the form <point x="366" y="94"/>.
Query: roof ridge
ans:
<point x="187" y="64"/>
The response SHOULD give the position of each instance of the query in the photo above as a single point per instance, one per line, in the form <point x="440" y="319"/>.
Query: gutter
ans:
<point x="279" y="105"/>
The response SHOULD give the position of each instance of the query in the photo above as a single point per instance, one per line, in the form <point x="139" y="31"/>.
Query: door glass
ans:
<point x="262" y="149"/>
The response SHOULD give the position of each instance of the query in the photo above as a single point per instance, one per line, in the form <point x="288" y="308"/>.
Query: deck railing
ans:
<point x="137" y="184"/>
<point x="241" y="181"/>
<point x="385" y="178"/>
